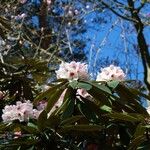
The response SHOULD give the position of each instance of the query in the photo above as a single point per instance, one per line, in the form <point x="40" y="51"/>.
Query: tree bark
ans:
<point x="45" y="30"/>
<point x="143" y="47"/>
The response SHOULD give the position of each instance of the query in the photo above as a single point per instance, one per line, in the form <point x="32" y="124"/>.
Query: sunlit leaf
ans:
<point x="85" y="86"/>
<point x="113" y="84"/>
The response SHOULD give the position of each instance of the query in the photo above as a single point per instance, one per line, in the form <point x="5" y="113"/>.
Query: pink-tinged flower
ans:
<point x="73" y="70"/>
<point x="83" y="93"/>
<point x="22" y="111"/>
<point x="111" y="73"/>
<point x="41" y="105"/>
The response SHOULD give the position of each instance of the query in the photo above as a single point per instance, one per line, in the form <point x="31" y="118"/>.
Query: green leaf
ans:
<point x="103" y="88"/>
<point x="130" y="99"/>
<point x="69" y="109"/>
<point x="140" y="130"/>
<point x="47" y="94"/>
<point x="123" y="117"/>
<point x="113" y="84"/>
<point x="71" y="120"/>
<point x="32" y="129"/>
<point x="106" y="108"/>
<point x="23" y="141"/>
<point x="31" y="148"/>
<point x="85" y="86"/>
<point x="73" y="84"/>
<point x="53" y="99"/>
<point x="136" y="142"/>
<point x="42" y="120"/>
<point x="3" y="126"/>
<point x="140" y="117"/>
<point x="87" y="111"/>
<point x="53" y="121"/>
<point x="100" y="95"/>
<point x="69" y="94"/>
<point x="137" y="92"/>
<point x="84" y="128"/>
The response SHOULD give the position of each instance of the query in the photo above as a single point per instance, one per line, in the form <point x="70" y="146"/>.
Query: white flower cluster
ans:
<point x="72" y="70"/>
<point x="111" y="73"/>
<point x="22" y="111"/>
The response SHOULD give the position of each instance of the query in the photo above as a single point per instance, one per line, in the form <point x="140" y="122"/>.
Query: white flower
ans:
<point x="22" y="111"/>
<point x="83" y="93"/>
<point x="73" y="70"/>
<point x="111" y="73"/>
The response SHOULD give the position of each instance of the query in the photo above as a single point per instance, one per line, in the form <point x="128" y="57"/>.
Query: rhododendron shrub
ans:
<point x="76" y="112"/>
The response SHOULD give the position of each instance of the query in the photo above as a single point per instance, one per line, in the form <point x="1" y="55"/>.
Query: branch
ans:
<point x="145" y="56"/>
<point x="128" y="18"/>
<point x="45" y="41"/>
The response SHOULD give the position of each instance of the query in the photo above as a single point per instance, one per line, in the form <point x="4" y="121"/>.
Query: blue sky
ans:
<point x="105" y="41"/>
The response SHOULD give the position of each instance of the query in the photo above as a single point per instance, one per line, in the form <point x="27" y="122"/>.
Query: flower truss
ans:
<point x="111" y="73"/>
<point x="72" y="70"/>
<point x="22" y="111"/>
